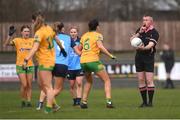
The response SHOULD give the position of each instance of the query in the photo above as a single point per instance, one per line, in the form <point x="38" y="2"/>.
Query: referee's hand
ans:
<point x="142" y="29"/>
<point x="141" y="47"/>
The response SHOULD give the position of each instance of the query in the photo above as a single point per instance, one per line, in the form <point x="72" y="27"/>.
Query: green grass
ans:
<point x="166" y="105"/>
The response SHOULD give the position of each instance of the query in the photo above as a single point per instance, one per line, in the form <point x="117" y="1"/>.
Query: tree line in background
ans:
<point x="83" y="10"/>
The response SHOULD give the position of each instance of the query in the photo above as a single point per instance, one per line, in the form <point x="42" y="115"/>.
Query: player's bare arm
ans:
<point x="58" y="42"/>
<point x="76" y="49"/>
<point x="104" y="50"/>
<point x="31" y="53"/>
<point x="61" y="47"/>
<point x="8" y="41"/>
<point x="80" y="47"/>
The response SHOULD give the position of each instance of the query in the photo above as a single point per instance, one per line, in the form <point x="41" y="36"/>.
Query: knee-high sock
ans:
<point x="150" y="94"/>
<point x="143" y="91"/>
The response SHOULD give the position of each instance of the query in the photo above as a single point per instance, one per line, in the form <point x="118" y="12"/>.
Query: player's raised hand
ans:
<point x="12" y="30"/>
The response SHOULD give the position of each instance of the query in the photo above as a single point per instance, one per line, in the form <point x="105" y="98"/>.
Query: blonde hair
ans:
<point x="74" y="27"/>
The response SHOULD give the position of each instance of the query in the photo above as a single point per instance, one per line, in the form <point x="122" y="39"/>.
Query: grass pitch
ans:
<point x="126" y="101"/>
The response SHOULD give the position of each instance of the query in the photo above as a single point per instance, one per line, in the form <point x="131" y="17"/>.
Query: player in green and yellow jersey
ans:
<point x="23" y="46"/>
<point x="44" y="48"/>
<point x="91" y="45"/>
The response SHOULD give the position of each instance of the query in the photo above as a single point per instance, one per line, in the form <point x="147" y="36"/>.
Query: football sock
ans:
<point x="54" y="102"/>
<point x="78" y="100"/>
<point x="23" y="99"/>
<point x="84" y="101"/>
<point x="28" y="102"/>
<point x="143" y="91"/>
<point x="47" y="105"/>
<point x="150" y="94"/>
<point x="74" y="101"/>
<point x="23" y="103"/>
<point x="48" y="109"/>
<point x="108" y="100"/>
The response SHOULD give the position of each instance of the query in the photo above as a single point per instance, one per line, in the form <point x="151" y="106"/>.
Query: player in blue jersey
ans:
<point x="75" y="73"/>
<point x="61" y="62"/>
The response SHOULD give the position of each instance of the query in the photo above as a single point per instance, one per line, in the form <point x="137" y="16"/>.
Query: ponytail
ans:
<point x="57" y="27"/>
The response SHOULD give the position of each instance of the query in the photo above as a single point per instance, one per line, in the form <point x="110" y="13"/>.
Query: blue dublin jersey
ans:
<point x="68" y="44"/>
<point x="74" y="59"/>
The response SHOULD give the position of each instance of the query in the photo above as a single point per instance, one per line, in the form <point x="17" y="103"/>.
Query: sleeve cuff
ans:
<point x="154" y="41"/>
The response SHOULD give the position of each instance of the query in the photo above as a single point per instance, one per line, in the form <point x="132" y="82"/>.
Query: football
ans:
<point x="135" y="42"/>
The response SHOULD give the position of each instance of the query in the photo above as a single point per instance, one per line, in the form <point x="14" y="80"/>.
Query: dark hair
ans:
<point x="93" y="24"/>
<point x="60" y="26"/>
<point x="147" y="14"/>
<point x="24" y="26"/>
<point x="57" y="27"/>
<point x="36" y="14"/>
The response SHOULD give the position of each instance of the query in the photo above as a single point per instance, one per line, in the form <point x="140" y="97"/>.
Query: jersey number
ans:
<point x="86" y="44"/>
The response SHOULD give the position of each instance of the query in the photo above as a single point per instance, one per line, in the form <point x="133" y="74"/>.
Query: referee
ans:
<point x="144" y="59"/>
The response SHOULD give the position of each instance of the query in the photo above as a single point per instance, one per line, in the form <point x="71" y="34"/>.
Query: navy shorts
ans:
<point x="144" y="63"/>
<point x="72" y="74"/>
<point x="60" y="70"/>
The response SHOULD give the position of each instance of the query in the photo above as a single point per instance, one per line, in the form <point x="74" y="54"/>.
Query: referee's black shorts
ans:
<point x="144" y="63"/>
<point x="60" y="70"/>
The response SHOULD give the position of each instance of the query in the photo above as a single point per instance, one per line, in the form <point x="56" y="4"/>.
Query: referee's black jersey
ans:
<point x="151" y="35"/>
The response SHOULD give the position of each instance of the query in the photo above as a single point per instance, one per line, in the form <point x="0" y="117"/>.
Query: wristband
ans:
<point x="111" y="56"/>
